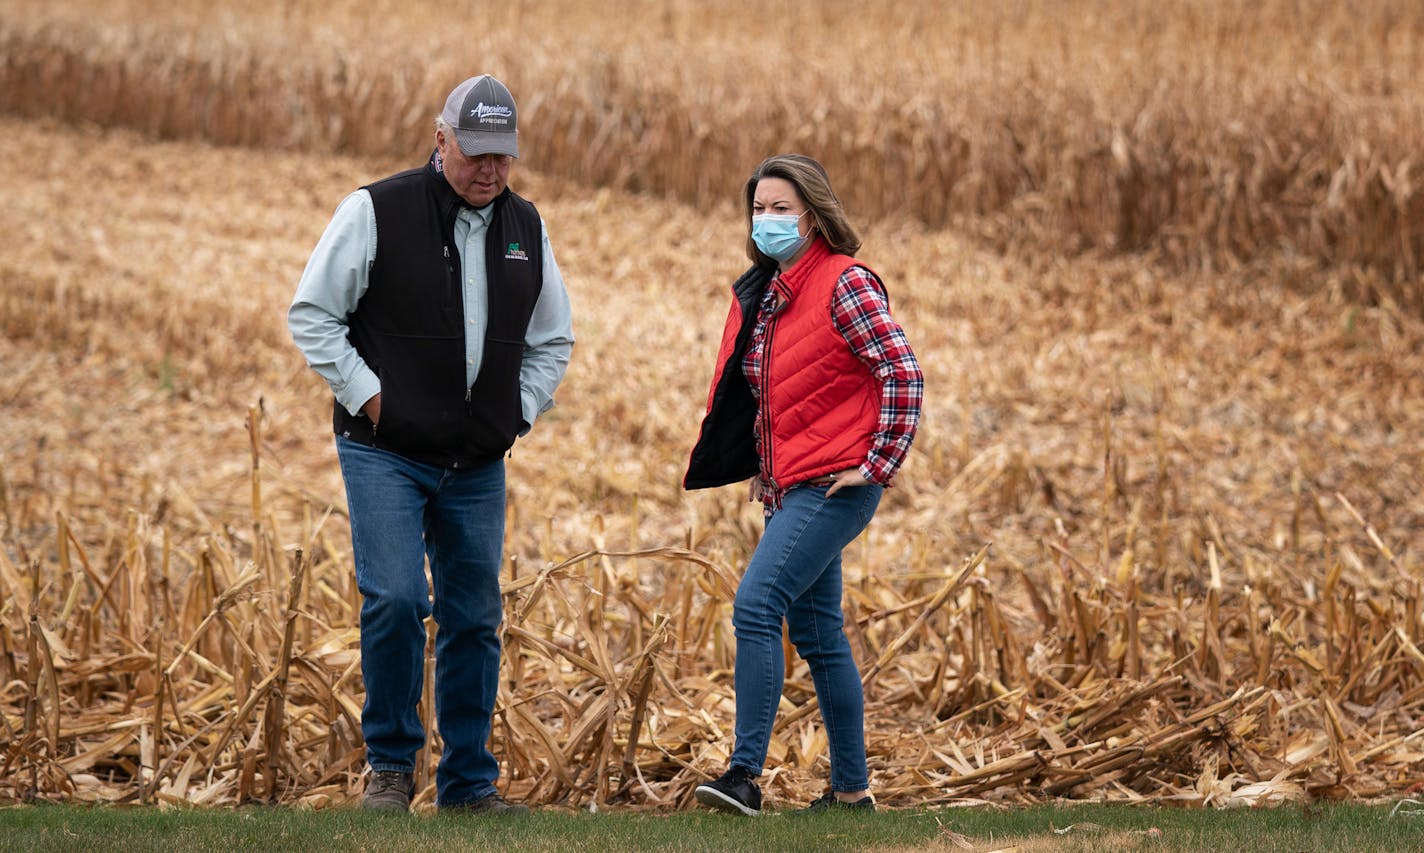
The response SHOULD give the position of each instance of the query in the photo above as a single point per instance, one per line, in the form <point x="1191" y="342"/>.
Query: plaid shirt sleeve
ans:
<point x="860" y="309"/>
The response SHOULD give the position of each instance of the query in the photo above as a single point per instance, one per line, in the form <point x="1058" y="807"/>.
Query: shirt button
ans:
<point x="470" y="361"/>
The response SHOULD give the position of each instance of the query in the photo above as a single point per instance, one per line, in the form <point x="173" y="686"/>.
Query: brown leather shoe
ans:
<point x="389" y="791"/>
<point x="489" y="804"/>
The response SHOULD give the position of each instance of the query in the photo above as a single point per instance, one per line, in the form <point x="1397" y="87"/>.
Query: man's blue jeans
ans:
<point x="401" y="513"/>
<point x="795" y="573"/>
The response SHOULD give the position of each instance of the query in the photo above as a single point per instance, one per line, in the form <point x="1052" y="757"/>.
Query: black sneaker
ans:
<point x="389" y="791"/>
<point x="828" y="802"/>
<point x="489" y="804"/>
<point x="735" y="792"/>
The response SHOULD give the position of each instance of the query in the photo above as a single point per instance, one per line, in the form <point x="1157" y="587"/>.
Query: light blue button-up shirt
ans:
<point x="338" y="273"/>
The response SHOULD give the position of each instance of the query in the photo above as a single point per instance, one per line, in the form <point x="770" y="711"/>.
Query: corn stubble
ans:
<point x="1157" y="540"/>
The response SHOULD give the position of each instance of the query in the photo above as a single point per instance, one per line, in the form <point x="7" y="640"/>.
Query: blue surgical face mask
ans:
<point x="777" y="235"/>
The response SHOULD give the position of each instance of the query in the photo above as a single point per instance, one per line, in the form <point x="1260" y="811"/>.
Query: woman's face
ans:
<point x="778" y="195"/>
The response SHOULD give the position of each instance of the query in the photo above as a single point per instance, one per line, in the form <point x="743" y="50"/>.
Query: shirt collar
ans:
<point x="470" y="214"/>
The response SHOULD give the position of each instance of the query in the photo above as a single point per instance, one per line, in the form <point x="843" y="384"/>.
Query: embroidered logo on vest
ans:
<point x="514" y="253"/>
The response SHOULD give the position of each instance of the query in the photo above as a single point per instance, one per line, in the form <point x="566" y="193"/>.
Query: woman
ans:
<point x="816" y="397"/>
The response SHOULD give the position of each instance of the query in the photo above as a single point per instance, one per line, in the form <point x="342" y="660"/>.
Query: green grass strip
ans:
<point x="1098" y="828"/>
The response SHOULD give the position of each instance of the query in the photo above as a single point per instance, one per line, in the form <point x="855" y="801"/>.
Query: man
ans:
<point x="434" y="309"/>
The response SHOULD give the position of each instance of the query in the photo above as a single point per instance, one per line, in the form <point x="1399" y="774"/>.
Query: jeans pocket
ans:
<point x="869" y="501"/>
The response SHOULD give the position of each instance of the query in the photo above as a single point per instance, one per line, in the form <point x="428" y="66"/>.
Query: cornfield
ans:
<point x="1157" y="540"/>
<point x="1214" y="133"/>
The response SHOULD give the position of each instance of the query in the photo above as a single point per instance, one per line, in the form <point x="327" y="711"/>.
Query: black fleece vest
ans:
<point x="409" y="326"/>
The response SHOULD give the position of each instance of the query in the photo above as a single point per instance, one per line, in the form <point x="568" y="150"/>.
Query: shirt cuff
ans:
<point x="875" y="474"/>
<point x="530" y="410"/>
<point x="362" y="387"/>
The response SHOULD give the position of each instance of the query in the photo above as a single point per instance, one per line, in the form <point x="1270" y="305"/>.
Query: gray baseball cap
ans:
<point x="482" y="112"/>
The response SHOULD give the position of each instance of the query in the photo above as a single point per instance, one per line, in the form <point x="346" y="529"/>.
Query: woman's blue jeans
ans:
<point x="403" y="512"/>
<point x="795" y="574"/>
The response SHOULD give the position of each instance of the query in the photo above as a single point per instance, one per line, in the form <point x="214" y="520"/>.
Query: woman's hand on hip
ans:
<point x="848" y="478"/>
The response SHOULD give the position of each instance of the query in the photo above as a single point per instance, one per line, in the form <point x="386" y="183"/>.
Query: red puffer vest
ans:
<point x="821" y="402"/>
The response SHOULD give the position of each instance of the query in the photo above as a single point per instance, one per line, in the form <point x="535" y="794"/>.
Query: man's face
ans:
<point x="476" y="179"/>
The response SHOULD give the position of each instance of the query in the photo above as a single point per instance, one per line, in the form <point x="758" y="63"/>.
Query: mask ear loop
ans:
<point x="811" y="230"/>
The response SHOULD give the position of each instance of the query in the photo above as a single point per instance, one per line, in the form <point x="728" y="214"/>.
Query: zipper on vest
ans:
<point x="766" y="436"/>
